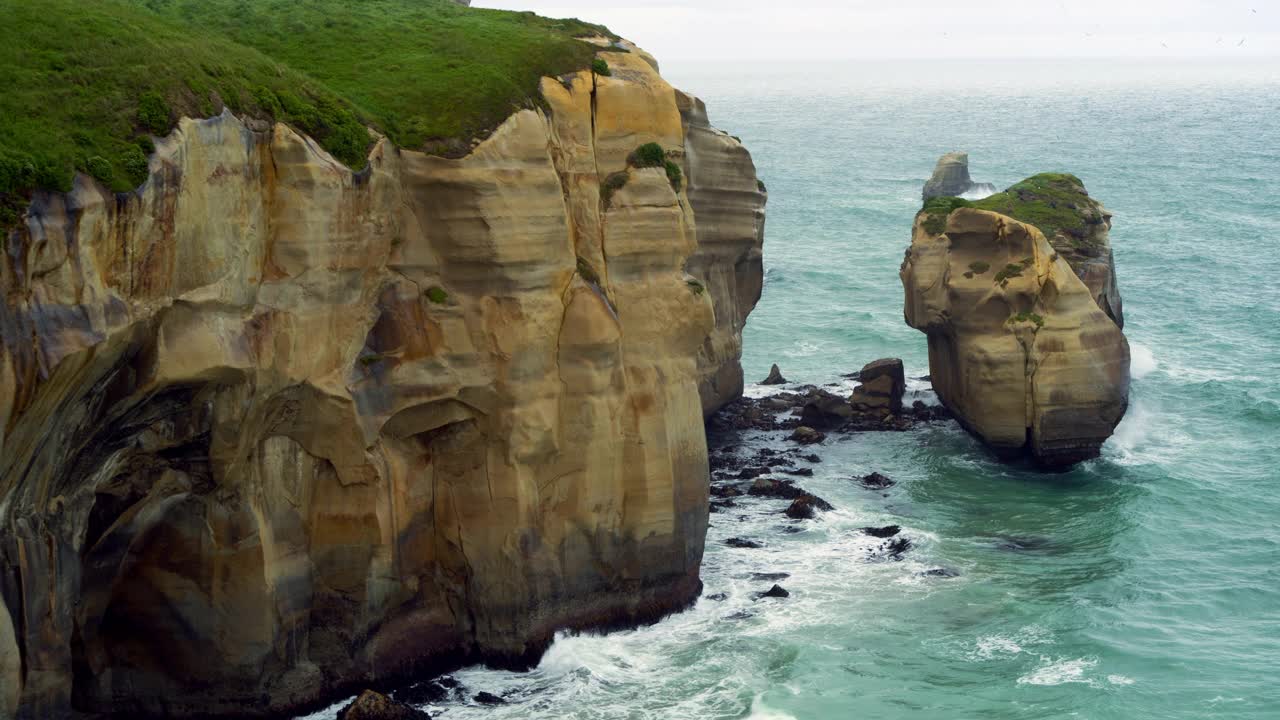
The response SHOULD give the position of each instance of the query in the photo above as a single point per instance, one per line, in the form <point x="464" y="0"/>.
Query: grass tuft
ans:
<point x="937" y="210"/>
<point x="1030" y="317"/>
<point x="674" y="174"/>
<point x="611" y="184"/>
<point x="647" y="156"/>
<point x="437" y="295"/>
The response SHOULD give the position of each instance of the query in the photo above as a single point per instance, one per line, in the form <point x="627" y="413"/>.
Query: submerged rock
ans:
<point x="488" y="698"/>
<point x="770" y="577"/>
<point x="431" y="691"/>
<point x="1020" y="350"/>
<point x="735" y="542"/>
<point x="875" y="481"/>
<point x="940" y="573"/>
<point x="775" y="377"/>
<point x="372" y="705"/>
<point x="777" y="591"/>
<point x="887" y="531"/>
<point x="951" y="179"/>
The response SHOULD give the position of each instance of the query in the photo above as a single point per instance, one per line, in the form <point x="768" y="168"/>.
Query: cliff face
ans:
<point x="270" y="430"/>
<point x="728" y="201"/>
<point x="1018" y="348"/>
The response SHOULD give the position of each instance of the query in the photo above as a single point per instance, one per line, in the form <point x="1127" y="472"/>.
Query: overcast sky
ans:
<point x="831" y="29"/>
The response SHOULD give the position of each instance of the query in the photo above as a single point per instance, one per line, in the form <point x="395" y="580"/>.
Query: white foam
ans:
<point x="759" y="711"/>
<point x="1060" y="672"/>
<point x="1142" y="362"/>
<point x="1119" y="680"/>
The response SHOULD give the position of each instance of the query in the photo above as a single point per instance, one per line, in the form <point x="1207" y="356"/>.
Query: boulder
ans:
<point x="806" y="436"/>
<point x="883" y="386"/>
<point x="768" y="487"/>
<point x="806" y="507"/>
<point x="488" y="698"/>
<point x="743" y="543"/>
<point x="887" y="531"/>
<point x="826" y="412"/>
<point x="370" y="705"/>
<point x="951" y="179"/>
<point x="775" y="377"/>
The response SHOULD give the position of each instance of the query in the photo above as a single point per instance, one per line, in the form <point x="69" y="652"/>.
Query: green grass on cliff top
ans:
<point x="85" y="83"/>
<point x="1053" y="202"/>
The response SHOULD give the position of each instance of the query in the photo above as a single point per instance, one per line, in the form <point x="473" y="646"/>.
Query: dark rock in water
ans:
<point x="431" y="691"/>
<point x="1024" y="543"/>
<point x="806" y="506"/>
<point x="926" y="378"/>
<point x="775" y="377"/>
<point x="768" y="487"/>
<point x="807" y="436"/>
<point x="777" y="591"/>
<point x="770" y="577"/>
<point x="740" y="615"/>
<point x="940" y="573"/>
<point x="887" y="531"/>
<point x="951" y="179"/>
<point x="372" y="705"/>
<point x="897" y="547"/>
<point x="721" y="506"/>
<point x="486" y="698"/>
<point x="875" y="481"/>
<point x="719" y="597"/>
<point x="751" y="472"/>
<point x="736" y="542"/>
<point x="800" y="472"/>
<point x="725" y="491"/>
<point x="811" y="457"/>
<point x="883" y="385"/>
<point x="792" y="529"/>
<point x="776" y="404"/>
<point x="826" y="412"/>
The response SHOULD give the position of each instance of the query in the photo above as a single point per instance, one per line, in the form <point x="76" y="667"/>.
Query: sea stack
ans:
<point x="1022" y="317"/>
<point x="951" y="179"/>
<point x="271" y="429"/>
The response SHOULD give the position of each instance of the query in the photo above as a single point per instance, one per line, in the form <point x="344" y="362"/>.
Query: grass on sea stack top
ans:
<point x="87" y="83"/>
<point x="1052" y="202"/>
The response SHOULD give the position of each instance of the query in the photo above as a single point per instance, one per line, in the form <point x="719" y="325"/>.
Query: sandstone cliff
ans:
<point x="271" y="430"/>
<point x="1019" y="349"/>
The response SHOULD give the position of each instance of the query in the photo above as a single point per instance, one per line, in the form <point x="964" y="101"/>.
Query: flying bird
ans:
<point x="1240" y="43"/>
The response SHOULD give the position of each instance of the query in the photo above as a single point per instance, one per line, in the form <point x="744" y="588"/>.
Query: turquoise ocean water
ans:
<point x="1145" y="584"/>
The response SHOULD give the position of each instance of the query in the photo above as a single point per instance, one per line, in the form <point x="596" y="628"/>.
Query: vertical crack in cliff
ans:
<point x="604" y="211"/>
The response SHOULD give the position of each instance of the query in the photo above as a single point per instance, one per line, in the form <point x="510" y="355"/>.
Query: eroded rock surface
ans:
<point x="271" y="431"/>
<point x="728" y="202"/>
<point x="1019" y="350"/>
<point x="951" y="179"/>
